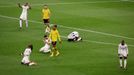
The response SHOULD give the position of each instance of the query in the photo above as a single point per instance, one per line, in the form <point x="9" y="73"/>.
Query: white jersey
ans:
<point x="24" y="12"/>
<point x="27" y="52"/>
<point x="46" y="48"/>
<point x="123" y="50"/>
<point x="26" y="56"/>
<point x="73" y="35"/>
<point x="47" y="42"/>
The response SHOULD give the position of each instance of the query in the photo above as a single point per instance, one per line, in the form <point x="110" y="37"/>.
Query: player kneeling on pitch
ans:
<point x="123" y="53"/>
<point x="47" y="42"/>
<point x="26" y="56"/>
<point x="74" y="36"/>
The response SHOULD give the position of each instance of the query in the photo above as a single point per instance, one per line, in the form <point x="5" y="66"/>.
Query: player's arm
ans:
<point x="19" y="5"/>
<point x="50" y="35"/>
<point x="119" y="50"/>
<point x="59" y="36"/>
<point x="22" y="53"/>
<point x="42" y="11"/>
<point x="48" y="42"/>
<point x="127" y="50"/>
<point x="49" y="13"/>
<point x="29" y="6"/>
<point x="43" y="40"/>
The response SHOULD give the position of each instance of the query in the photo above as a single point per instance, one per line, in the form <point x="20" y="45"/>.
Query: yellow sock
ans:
<point x="52" y="53"/>
<point x="57" y="53"/>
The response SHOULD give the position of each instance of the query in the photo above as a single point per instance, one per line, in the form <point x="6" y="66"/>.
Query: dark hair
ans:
<point x="122" y="42"/>
<point x="55" y="25"/>
<point x="45" y="36"/>
<point x="45" y="5"/>
<point x="30" y="46"/>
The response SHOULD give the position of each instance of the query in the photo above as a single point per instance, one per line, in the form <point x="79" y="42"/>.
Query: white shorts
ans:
<point x="45" y="49"/>
<point x="123" y="54"/>
<point x="25" y="60"/>
<point x="23" y="16"/>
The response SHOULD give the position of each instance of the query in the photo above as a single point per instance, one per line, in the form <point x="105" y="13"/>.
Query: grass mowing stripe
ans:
<point x="98" y="42"/>
<point x="68" y="3"/>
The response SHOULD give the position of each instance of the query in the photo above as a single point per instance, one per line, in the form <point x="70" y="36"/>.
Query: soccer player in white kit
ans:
<point x="26" y="56"/>
<point x="24" y="14"/>
<point x="47" y="42"/>
<point x="74" y="36"/>
<point x="123" y="53"/>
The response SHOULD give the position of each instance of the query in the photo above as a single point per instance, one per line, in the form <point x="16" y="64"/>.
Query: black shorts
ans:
<point x="54" y="43"/>
<point x="46" y="21"/>
<point x="70" y="40"/>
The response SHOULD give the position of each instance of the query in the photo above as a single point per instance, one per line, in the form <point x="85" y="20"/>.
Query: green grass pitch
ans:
<point x="101" y="23"/>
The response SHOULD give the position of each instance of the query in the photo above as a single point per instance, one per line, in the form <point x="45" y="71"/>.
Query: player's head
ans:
<point x="122" y="42"/>
<point x="45" y="36"/>
<point x="45" y="6"/>
<point x="30" y="46"/>
<point x="54" y="27"/>
<point x="26" y="3"/>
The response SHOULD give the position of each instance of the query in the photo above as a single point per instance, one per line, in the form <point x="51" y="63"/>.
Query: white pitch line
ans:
<point x="80" y="29"/>
<point x="91" y="41"/>
<point x="99" y="42"/>
<point x="97" y="32"/>
<point x="92" y="31"/>
<point x="71" y="28"/>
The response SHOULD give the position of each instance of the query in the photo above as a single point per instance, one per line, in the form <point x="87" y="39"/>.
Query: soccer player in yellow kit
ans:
<point x="54" y="36"/>
<point x="46" y="18"/>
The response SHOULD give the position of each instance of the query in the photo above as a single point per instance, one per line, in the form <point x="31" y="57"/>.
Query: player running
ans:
<point x="123" y="53"/>
<point x="46" y="18"/>
<point x="47" y="42"/>
<point x="24" y="14"/>
<point x="26" y="56"/>
<point x="54" y="36"/>
<point x="74" y="36"/>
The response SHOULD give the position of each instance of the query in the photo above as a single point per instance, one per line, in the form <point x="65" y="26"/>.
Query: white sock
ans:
<point x="20" y="23"/>
<point x="125" y="63"/>
<point x="27" y="23"/>
<point x="120" y="62"/>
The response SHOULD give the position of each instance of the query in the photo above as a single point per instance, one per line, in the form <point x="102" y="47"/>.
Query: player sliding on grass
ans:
<point x="123" y="53"/>
<point x="54" y="36"/>
<point x="46" y="18"/>
<point x="26" y="56"/>
<point x="23" y="16"/>
<point x="47" y="42"/>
